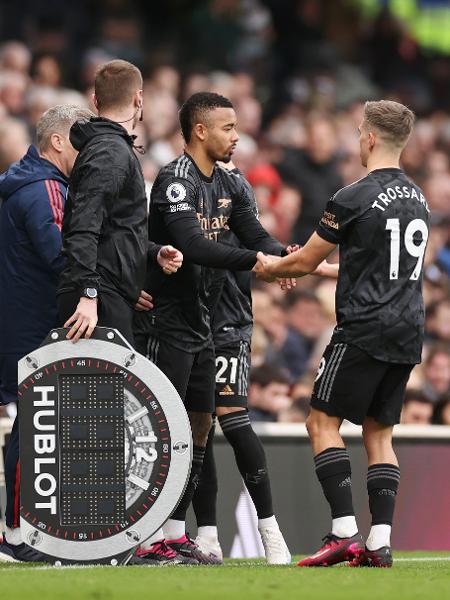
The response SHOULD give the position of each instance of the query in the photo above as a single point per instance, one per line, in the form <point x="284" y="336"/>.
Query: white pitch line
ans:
<point x="227" y="564"/>
<point x="421" y="558"/>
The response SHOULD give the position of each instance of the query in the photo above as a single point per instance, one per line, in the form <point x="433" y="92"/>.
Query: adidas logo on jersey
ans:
<point x="226" y="391"/>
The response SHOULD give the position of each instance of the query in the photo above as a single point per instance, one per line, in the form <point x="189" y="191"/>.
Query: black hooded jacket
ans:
<point x="104" y="232"/>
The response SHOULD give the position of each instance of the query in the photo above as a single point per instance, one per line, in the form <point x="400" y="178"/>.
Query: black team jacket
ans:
<point x="104" y="232"/>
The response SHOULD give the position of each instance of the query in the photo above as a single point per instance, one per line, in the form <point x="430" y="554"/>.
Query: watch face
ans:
<point x="91" y="292"/>
<point x="109" y="449"/>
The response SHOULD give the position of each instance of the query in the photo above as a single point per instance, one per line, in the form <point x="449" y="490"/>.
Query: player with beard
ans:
<point x="193" y="201"/>
<point x="381" y="226"/>
<point x="232" y="326"/>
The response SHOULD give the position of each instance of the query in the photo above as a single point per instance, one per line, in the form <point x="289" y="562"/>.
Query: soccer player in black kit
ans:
<point x="381" y="226"/>
<point x="232" y="325"/>
<point x="193" y="201"/>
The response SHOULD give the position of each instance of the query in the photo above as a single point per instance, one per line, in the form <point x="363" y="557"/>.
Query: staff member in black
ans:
<point x="104" y="230"/>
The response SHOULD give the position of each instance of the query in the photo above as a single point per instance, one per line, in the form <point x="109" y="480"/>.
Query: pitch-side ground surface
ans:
<point x="415" y="575"/>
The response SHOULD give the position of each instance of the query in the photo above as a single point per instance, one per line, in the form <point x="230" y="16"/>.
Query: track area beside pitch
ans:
<point x="415" y="575"/>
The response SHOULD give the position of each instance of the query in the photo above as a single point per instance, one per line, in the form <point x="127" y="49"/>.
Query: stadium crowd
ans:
<point x="298" y="145"/>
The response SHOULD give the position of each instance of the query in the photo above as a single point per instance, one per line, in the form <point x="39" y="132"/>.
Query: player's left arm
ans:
<point x="245" y="224"/>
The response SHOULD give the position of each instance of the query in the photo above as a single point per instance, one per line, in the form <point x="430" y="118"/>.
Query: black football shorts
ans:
<point x="232" y="370"/>
<point x="192" y="374"/>
<point x="352" y="384"/>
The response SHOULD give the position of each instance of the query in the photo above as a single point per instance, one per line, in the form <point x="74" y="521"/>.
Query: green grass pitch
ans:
<point x="425" y="576"/>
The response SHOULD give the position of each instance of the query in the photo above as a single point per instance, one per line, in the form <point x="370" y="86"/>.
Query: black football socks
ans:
<point x="250" y="459"/>
<point x="205" y="498"/>
<point x="334" y="472"/>
<point x="382" y="485"/>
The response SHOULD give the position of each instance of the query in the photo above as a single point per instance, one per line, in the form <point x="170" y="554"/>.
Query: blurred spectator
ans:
<point x="14" y="142"/>
<point x="417" y="408"/>
<point x="250" y="113"/>
<point x="166" y="79"/>
<point x="120" y="36"/>
<point x="268" y="393"/>
<point x="15" y="56"/>
<point x="314" y="172"/>
<point x="266" y="184"/>
<point x="13" y="86"/>
<point x="287" y="210"/>
<point x="441" y="414"/>
<point x="301" y="395"/>
<point x="296" y="413"/>
<point x="306" y="321"/>
<point x="438" y="320"/>
<point x="436" y="370"/>
<point x="46" y="70"/>
<point x="38" y="100"/>
<point x="162" y="119"/>
<point x="259" y="346"/>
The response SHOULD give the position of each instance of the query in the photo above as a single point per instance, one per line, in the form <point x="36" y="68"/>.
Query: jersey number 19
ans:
<point x="417" y="251"/>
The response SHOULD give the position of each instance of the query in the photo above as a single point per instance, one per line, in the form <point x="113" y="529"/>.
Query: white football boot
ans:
<point x="209" y="546"/>
<point x="275" y="548"/>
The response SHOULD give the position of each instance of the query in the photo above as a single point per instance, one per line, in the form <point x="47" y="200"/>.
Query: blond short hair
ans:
<point x="392" y="120"/>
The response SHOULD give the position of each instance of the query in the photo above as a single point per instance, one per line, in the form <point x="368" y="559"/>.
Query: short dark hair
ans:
<point x="300" y="296"/>
<point x="266" y="374"/>
<point x="438" y="348"/>
<point x="414" y="395"/>
<point x="115" y="84"/>
<point x="437" y="419"/>
<point x="196" y="107"/>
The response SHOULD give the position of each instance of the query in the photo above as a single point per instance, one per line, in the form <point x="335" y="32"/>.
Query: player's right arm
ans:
<point x="174" y="198"/>
<point x="338" y="216"/>
<point x="299" y="263"/>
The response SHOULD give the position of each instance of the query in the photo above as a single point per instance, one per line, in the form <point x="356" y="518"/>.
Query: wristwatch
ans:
<point x="90" y="293"/>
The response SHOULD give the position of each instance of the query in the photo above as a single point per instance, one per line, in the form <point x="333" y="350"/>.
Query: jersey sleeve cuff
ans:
<point x="327" y="235"/>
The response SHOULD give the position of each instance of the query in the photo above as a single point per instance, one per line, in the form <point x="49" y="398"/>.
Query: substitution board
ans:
<point x="105" y="448"/>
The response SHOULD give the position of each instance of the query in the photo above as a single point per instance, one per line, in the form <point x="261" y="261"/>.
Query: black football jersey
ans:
<point x="231" y="298"/>
<point x="191" y="211"/>
<point x="381" y="224"/>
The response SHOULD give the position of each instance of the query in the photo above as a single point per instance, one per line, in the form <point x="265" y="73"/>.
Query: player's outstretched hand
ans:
<point x="263" y="261"/>
<point x="170" y="259"/>
<point x="144" y="302"/>
<point x="83" y="320"/>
